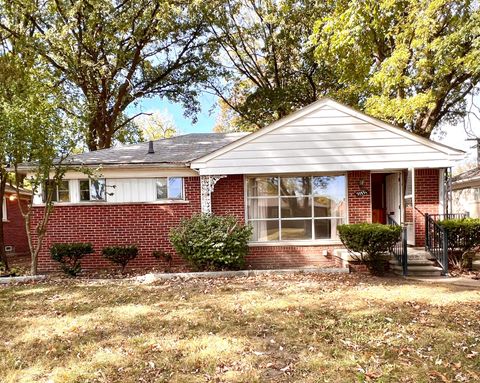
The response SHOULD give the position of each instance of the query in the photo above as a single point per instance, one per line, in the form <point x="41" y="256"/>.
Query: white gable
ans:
<point x="324" y="137"/>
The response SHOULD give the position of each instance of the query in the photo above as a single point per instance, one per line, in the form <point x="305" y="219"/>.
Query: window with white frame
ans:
<point x="60" y="191"/>
<point x="93" y="190"/>
<point x="170" y="188"/>
<point x="290" y="208"/>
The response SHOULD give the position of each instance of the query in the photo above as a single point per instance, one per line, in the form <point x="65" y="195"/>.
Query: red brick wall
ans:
<point x="359" y="207"/>
<point x="426" y="200"/>
<point x="146" y="225"/>
<point x="14" y="229"/>
<point x="228" y="197"/>
<point x="270" y="257"/>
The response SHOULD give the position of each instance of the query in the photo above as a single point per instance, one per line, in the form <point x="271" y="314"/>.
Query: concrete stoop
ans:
<point x="420" y="264"/>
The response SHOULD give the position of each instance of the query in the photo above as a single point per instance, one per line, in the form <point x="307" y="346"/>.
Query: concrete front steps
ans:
<point x="420" y="264"/>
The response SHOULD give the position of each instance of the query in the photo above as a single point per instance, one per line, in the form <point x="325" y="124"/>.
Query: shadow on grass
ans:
<point x="260" y="329"/>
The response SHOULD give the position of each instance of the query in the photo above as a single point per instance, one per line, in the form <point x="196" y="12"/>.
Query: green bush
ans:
<point x="463" y="239"/>
<point x="210" y="242"/>
<point x="69" y="256"/>
<point x="368" y="243"/>
<point x="120" y="255"/>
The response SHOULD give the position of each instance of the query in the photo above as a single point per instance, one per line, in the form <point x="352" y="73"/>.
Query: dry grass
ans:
<point x="346" y="328"/>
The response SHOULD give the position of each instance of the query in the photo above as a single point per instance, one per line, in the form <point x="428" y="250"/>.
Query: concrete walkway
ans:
<point x="151" y="277"/>
<point x="453" y="281"/>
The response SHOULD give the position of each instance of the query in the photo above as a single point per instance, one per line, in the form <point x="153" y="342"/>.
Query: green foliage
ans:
<point x="409" y="62"/>
<point x="34" y="127"/>
<point x="368" y="242"/>
<point x="210" y="242"/>
<point x="463" y="239"/>
<point x="69" y="255"/>
<point x="120" y="255"/>
<point x="109" y="54"/>
<point x="267" y="67"/>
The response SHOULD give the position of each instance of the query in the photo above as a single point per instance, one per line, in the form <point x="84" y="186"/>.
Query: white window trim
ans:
<point x="168" y="182"/>
<point x="299" y="242"/>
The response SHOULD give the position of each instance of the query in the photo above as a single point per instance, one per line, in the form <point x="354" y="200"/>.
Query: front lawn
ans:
<point x="330" y="328"/>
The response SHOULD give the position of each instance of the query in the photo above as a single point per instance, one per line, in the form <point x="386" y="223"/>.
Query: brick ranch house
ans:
<point x="294" y="181"/>
<point x="16" y="242"/>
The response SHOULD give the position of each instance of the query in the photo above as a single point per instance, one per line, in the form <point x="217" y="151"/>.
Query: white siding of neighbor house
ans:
<point x="467" y="201"/>
<point x="326" y="139"/>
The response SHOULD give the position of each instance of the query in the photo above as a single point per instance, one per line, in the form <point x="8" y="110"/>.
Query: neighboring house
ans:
<point x="13" y="223"/>
<point x="294" y="181"/>
<point x="466" y="192"/>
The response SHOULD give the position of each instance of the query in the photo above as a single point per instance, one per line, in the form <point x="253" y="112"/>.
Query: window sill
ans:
<point x="324" y="242"/>
<point x="165" y="202"/>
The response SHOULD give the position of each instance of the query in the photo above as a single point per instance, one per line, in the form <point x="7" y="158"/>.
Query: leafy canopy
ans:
<point x="110" y="54"/>
<point x="410" y="62"/>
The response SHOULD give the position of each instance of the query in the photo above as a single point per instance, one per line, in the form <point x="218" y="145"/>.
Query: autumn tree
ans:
<point x="267" y="68"/>
<point x="409" y="62"/>
<point x="111" y="54"/>
<point x="33" y="129"/>
<point x="156" y="125"/>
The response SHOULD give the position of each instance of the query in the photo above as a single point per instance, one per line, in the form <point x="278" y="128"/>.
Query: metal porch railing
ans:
<point x="399" y="251"/>
<point x="436" y="237"/>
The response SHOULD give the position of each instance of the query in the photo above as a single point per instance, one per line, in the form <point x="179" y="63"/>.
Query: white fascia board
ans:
<point x="129" y="172"/>
<point x="315" y="168"/>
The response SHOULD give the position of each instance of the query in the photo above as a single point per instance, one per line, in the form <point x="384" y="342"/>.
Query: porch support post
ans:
<point x="207" y="184"/>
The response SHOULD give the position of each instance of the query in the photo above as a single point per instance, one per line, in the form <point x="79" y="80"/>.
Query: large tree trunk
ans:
<point x="100" y="132"/>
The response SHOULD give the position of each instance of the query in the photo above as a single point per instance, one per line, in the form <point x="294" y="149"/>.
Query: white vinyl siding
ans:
<point x="326" y="139"/>
<point x="124" y="190"/>
<point x="132" y="190"/>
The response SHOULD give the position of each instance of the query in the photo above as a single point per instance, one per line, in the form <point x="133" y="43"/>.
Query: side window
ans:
<point x="59" y="190"/>
<point x="170" y="188"/>
<point x="93" y="190"/>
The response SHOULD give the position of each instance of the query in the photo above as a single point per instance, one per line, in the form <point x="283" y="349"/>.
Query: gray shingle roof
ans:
<point x="176" y="150"/>
<point x="467" y="175"/>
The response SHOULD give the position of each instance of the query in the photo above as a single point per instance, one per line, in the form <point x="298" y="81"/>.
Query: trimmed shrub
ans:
<point x="69" y="256"/>
<point x="463" y="240"/>
<point x="368" y="243"/>
<point x="210" y="242"/>
<point x="120" y="255"/>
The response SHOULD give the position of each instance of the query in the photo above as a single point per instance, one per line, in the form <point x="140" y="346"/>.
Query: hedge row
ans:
<point x="205" y="241"/>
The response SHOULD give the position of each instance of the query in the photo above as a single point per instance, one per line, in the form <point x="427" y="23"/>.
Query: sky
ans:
<point x="206" y="119"/>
